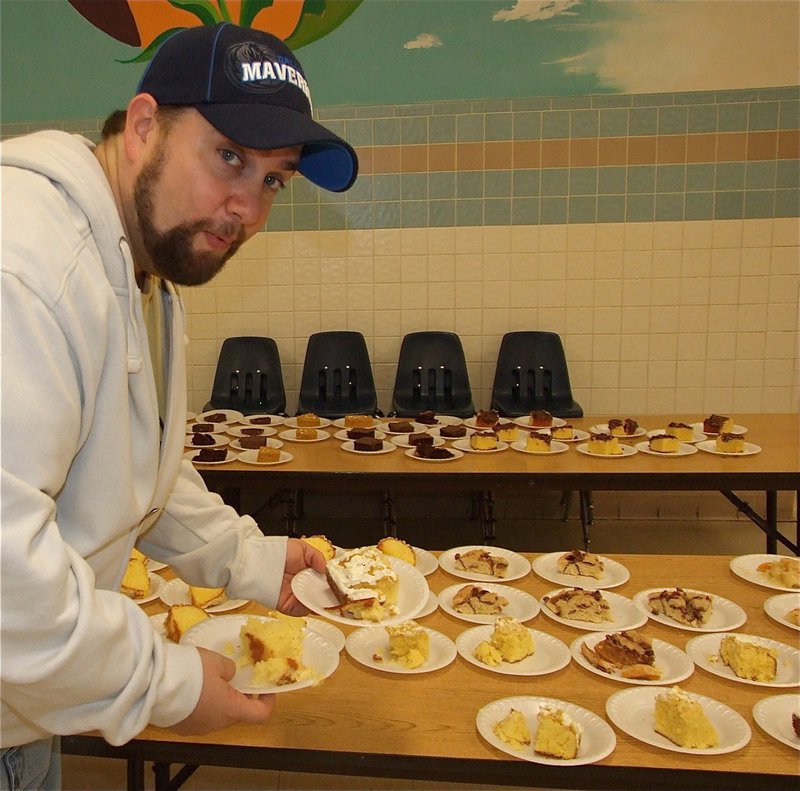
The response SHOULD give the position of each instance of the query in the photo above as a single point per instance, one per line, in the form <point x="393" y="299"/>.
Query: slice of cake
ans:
<point x="426" y="451"/>
<point x="275" y="649"/>
<point x="137" y="554"/>
<point x="664" y="443"/>
<point x="506" y="432"/>
<point x="253" y="442"/>
<point x="397" y="548"/>
<point x="420" y="438"/>
<point x="793" y="616"/>
<point x="784" y="572"/>
<point x="217" y="417"/>
<point x="557" y="734"/>
<point x="136" y="581"/>
<point x="427" y="418"/>
<point x="263" y="420"/>
<point x="563" y="432"/>
<point x="252" y="431"/>
<point x="483" y="440"/>
<point x="538" y="442"/>
<point x="202" y="428"/>
<point x="629" y="653"/>
<point x="796" y="724"/>
<point x="305" y="433"/>
<point x="729" y="443"/>
<point x="358" y="421"/>
<point x="486" y="418"/>
<point x="308" y="420"/>
<point x="481" y="561"/>
<point x="206" y="597"/>
<point x="541" y="418"/>
<point x="400" y="427"/>
<point x="268" y="455"/>
<point x="475" y="600"/>
<point x="199" y="439"/>
<point x="511" y="640"/>
<point x="692" y="609"/>
<point x="576" y="604"/>
<point x="367" y="444"/>
<point x="683" y="431"/>
<point x="716" y="424"/>
<point x="513" y="730"/>
<point x="211" y="455"/>
<point x="578" y="563"/>
<point x="604" y="445"/>
<point x="622" y="428"/>
<point x="452" y="432"/>
<point x="180" y="618"/>
<point x="358" y="433"/>
<point x="682" y="720"/>
<point x="748" y="659"/>
<point x="321" y="543"/>
<point x="409" y="644"/>
<point x="364" y="583"/>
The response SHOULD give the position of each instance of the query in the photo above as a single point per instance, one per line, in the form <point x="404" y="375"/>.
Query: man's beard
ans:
<point x="171" y="252"/>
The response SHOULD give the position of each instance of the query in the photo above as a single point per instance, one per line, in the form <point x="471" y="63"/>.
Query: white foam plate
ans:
<point x="176" y="591"/>
<point x="457" y="454"/>
<point x="774" y="716"/>
<point x="273" y="443"/>
<point x="627" y="450"/>
<point x="525" y="422"/>
<point x="674" y="664"/>
<point x="365" y="644"/>
<point x="430" y="606"/>
<point x="746" y="567"/>
<point x="470" y="422"/>
<point x="291" y="422"/>
<point x="231" y="415"/>
<point x="221" y="632"/>
<point x="220" y="441"/>
<point x="312" y="590"/>
<point x="327" y="631"/>
<point x="597" y="742"/>
<point x="518" y="566"/>
<point x="555" y="447"/>
<point x="710" y="446"/>
<point x="290" y="434"/>
<point x="704" y="651"/>
<point x="463" y="444"/>
<point x="698" y="435"/>
<point x="386" y="447"/>
<point x="549" y="654"/>
<point x="341" y="434"/>
<point x="274" y="420"/>
<point x="779" y="605"/>
<point x="446" y="420"/>
<point x="426" y="561"/>
<point x="632" y="711"/>
<point x="401" y="440"/>
<point x="684" y="449"/>
<point x="156" y="584"/>
<point x="246" y="431"/>
<point x="602" y="428"/>
<point x="417" y="427"/>
<point x="521" y="605"/>
<point x="614" y="573"/>
<point x="340" y="423"/>
<point x="623" y="611"/>
<point x="577" y="434"/>
<point x="725" y="614"/>
<point x="251" y="457"/>
<point x="698" y="428"/>
<point x="229" y="457"/>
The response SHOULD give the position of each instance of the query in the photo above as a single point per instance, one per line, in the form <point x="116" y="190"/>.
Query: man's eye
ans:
<point x="229" y="156"/>
<point x="273" y="182"/>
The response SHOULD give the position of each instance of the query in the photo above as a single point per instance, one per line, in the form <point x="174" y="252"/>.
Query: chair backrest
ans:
<point x="337" y="376"/>
<point x="432" y="374"/>
<point x="532" y="374"/>
<point x="249" y="377"/>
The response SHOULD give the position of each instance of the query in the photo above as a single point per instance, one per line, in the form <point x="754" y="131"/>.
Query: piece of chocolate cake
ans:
<point x="401" y="427"/>
<point x="211" y="454"/>
<point x="359" y="433"/>
<point x="265" y="420"/>
<point x="252" y="432"/>
<point x="422" y="438"/>
<point x="368" y="444"/>
<point x="202" y="439"/>
<point x="217" y="417"/>
<point x="427" y="418"/>
<point x="430" y="452"/>
<point x="202" y="428"/>
<point x="452" y="432"/>
<point x="251" y="443"/>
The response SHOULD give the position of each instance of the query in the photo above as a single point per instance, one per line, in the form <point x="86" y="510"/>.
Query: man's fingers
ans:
<point x="257" y="709"/>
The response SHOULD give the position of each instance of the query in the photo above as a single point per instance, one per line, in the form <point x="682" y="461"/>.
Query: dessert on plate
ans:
<point x="400" y="427"/>
<point x="683" y="431"/>
<point x="453" y="432"/>
<point x="506" y="432"/>
<point x="307" y="420"/>
<point x="358" y="421"/>
<point x="180" y="618"/>
<point x="427" y="418"/>
<point x="268" y="454"/>
<point x="275" y="649"/>
<point x="578" y="563"/>
<point x="211" y="454"/>
<point x="368" y="444"/>
<point x="206" y="597"/>
<point x="557" y="734"/>
<point x="486" y="418"/>
<point x="481" y="561"/>
<point x="409" y="644"/>
<point x="716" y="424"/>
<point x="576" y="604"/>
<point x="629" y="653"/>
<point x="664" y="443"/>
<point x="305" y="433"/>
<point x="729" y="443"/>
<point x="322" y="543"/>
<point x="604" y="445"/>
<point x="513" y="730"/>
<point x="483" y="440"/>
<point x="563" y="432"/>
<point x="541" y="418"/>
<point x="784" y="572"/>
<point x="682" y="720"/>
<point x="538" y="442"/>
<point x="618" y="427"/>
<point x="474" y="600"/>
<point x="510" y="641"/>
<point x="358" y="433"/>
<point x="136" y="581"/>
<point x="364" y="583"/>
<point x="397" y="548"/>
<point x="748" y="659"/>
<point x="686" y="607"/>
<point x="426" y="451"/>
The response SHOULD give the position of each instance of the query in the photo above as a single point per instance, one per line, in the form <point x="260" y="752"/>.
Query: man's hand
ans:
<point x="220" y="705"/>
<point x="299" y="555"/>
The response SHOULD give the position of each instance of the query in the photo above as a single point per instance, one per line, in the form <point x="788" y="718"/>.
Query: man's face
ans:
<point x="199" y="196"/>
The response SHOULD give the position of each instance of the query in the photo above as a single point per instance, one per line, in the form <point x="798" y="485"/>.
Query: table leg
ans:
<point x="135" y="774"/>
<point x="389" y="521"/>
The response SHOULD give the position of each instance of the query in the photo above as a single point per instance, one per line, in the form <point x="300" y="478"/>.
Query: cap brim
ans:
<point x="326" y="160"/>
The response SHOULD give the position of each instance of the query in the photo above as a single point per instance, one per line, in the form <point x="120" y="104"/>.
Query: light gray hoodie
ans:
<point x="85" y="471"/>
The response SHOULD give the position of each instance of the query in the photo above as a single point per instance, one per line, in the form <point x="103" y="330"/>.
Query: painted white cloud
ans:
<point x="535" y="10"/>
<point x="424" y="41"/>
<point x="701" y="45"/>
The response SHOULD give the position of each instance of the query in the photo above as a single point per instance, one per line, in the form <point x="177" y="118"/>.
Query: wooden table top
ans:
<point x="776" y="466"/>
<point x="368" y="713"/>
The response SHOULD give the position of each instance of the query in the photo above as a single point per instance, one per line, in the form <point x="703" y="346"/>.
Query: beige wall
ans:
<point x="688" y="317"/>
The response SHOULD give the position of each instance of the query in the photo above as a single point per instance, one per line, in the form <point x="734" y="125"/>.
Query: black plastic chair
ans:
<point x="432" y="375"/>
<point x="532" y="374"/>
<point x="337" y="376"/>
<point x="249" y="377"/>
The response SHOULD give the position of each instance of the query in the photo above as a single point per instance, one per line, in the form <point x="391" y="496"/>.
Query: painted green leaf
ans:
<point x="148" y="53"/>
<point x="250" y="9"/>
<point x="318" y="18"/>
<point x="205" y="11"/>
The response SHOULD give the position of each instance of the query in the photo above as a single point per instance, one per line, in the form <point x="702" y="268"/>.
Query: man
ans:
<point x="92" y="457"/>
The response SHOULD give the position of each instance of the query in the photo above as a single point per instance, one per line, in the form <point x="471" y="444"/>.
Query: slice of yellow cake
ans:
<point x="604" y="445"/>
<point x="322" y="543"/>
<point x="557" y="734"/>
<point x="275" y="649"/>
<point x="512" y="641"/>
<point x="538" y="442"/>
<point x="397" y="548"/>
<point x="483" y="440"/>
<point x="513" y="730"/>
<point x="784" y="571"/>
<point x="682" y="720"/>
<point x="180" y="618"/>
<point x="664" y="443"/>
<point x="729" y="443"/>
<point x="749" y="659"/>
<point x="206" y="597"/>
<point x="135" y="581"/>
<point x="409" y="644"/>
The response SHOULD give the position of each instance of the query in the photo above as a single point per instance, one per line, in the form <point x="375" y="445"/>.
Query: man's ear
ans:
<point x="141" y="125"/>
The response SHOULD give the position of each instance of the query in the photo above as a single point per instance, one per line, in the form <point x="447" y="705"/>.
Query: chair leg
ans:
<point x="389" y="521"/>
<point x="566" y="501"/>
<point x="292" y="510"/>
<point x="487" y="517"/>
<point x="587" y="517"/>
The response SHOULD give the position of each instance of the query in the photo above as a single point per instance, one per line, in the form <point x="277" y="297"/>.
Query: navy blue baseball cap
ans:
<point x="250" y="87"/>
